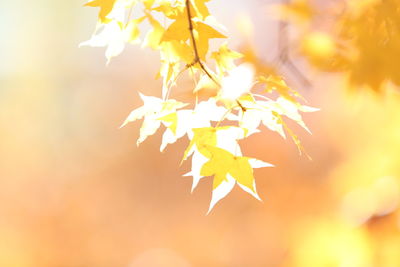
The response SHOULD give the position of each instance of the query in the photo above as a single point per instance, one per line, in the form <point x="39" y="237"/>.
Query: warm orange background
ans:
<point x="76" y="191"/>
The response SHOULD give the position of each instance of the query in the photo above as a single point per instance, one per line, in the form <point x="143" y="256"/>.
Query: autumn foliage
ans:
<point x="244" y="99"/>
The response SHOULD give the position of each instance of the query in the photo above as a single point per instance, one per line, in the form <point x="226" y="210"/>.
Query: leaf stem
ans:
<point x="261" y="96"/>
<point x="224" y="116"/>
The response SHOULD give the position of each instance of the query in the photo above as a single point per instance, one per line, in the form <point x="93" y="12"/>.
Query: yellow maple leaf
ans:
<point x="169" y="9"/>
<point x="224" y="58"/>
<point x="105" y="8"/>
<point x="294" y="137"/>
<point x="171" y="120"/>
<point x="223" y="136"/>
<point x="205" y="83"/>
<point x="178" y="30"/>
<point x="277" y="83"/>
<point x="203" y="33"/>
<point x="148" y="3"/>
<point x="132" y="30"/>
<point x="203" y="137"/>
<point x="201" y="8"/>
<point x="177" y="51"/>
<point x="223" y="163"/>
<point x="153" y="37"/>
<point x="183" y="121"/>
<point x="229" y="169"/>
<point x="152" y="110"/>
<point x="172" y="54"/>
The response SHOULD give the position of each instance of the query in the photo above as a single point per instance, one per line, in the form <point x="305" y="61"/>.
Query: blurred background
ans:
<point x="75" y="191"/>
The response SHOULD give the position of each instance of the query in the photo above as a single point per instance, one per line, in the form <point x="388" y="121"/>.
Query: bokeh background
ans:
<point x="75" y="191"/>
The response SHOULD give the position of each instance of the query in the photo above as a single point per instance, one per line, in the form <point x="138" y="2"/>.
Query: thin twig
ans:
<point x="197" y="59"/>
<point x="196" y="51"/>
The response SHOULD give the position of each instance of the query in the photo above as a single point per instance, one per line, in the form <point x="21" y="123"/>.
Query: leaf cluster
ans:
<point x="244" y="99"/>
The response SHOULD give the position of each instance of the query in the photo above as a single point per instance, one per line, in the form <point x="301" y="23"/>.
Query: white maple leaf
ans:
<point x="291" y="110"/>
<point x="257" y="113"/>
<point x="263" y="112"/>
<point x="186" y="120"/>
<point x="110" y="35"/>
<point x="198" y="160"/>
<point x="152" y="110"/>
<point x="113" y="35"/>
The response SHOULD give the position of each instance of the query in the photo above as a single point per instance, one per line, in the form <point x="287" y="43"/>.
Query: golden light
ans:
<point x="319" y="45"/>
<point x="239" y="81"/>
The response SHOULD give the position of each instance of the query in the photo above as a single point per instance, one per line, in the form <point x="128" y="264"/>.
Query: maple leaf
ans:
<point x="198" y="160"/>
<point x="105" y="8"/>
<point x="203" y="33"/>
<point x="170" y="9"/>
<point x="153" y="37"/>
<point x="114" y="35"/>
<point x="270" y="112"/>
<point x="229" y="169"/>
<point x="152" y="110"/>
<point x="111" y="9"/>
<point x="148" y="3"/>
<point x="258" y="112"/>
<point x="224" y="58"/>
<point x="291" y="110"/>
<point x="177" y="30"/>
<point x="132" y="30"/>
<point x="224" y="137"/>
<point x="275" y="82"/>
<point x="111" y="35"/>
<point x="176" y="51"/>
<point x="172" y="53"/>
<point x="201" y="9"/>
<point x="202" y="137"/>
<point x="206" y="83"/>
<point x="182" y="122"/>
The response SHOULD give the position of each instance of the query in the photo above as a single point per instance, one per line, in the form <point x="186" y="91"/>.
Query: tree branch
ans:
<point x="197" y="59"/>
<point x="196" y="51"/>
<point x="284" y="55"/>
